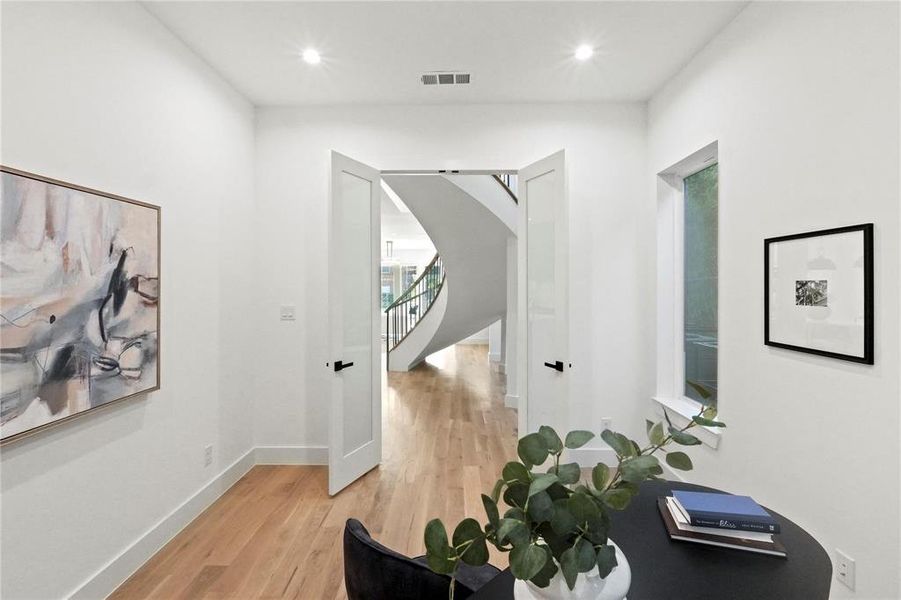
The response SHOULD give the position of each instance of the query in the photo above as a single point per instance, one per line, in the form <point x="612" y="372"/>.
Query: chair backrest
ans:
<point x="374" y="572"/>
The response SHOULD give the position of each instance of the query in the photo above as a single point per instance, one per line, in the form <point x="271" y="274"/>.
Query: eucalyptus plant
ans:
<point x="555" y="519"/>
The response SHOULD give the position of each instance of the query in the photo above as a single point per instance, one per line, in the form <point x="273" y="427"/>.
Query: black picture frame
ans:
<point x="868" y="300"/>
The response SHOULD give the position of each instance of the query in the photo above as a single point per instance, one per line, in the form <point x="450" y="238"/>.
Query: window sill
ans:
<point x="680" y="411"/>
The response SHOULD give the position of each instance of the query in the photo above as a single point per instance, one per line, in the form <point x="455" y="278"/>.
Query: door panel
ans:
<point x="544" y="296"/>
<point x="355" y="411"/>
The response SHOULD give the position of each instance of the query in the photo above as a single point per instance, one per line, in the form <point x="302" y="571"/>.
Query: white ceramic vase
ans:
<point x="589" y="586"/>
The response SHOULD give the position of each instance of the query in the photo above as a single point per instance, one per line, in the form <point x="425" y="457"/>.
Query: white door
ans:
<point x="543" y="347"/>
<point x="355" y="414"/>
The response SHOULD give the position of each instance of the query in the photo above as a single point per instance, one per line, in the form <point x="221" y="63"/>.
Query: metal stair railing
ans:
<point x="410" y="307"/>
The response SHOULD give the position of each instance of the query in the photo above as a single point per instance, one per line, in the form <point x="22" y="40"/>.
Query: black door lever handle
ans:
<point x="340" y="366"/>
<point x="558" y="365"/>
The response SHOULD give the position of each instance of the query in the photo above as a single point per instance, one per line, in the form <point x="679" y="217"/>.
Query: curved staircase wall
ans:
<point x="472" y="242"/>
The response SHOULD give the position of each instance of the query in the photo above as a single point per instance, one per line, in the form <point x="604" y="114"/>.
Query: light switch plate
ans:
<point x="287" y="312"/>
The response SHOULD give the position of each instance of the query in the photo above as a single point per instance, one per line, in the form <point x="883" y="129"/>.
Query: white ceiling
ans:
<point x="375" y="52"/>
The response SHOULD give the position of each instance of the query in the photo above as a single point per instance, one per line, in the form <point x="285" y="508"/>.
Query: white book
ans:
<point x="683" y="523"/>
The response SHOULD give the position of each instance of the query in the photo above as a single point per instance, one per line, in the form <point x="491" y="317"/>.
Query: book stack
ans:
<point x="721" y="520"/>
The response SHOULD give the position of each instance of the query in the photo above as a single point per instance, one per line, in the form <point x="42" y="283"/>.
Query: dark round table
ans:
<point x="663" y="569"/>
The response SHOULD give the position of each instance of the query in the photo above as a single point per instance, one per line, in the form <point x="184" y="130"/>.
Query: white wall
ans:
<point x="804" y="101"/>
<point x="611" y="215"/>
<point x="103" y="96"/>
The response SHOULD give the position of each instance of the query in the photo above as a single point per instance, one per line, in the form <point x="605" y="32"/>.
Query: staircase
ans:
<point x="464" y="289"/>
<point x="404" y="313"/>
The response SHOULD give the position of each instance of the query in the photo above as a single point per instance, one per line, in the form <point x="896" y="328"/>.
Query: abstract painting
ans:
<point x="818" y="292"/>
<point x="79" y="301"/>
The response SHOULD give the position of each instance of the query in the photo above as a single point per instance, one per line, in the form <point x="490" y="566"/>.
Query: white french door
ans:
<point x="355" y="413"/>
<point x="543" y="338"/>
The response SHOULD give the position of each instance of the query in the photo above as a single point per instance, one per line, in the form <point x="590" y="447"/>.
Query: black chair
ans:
<point x="374" y="572"/>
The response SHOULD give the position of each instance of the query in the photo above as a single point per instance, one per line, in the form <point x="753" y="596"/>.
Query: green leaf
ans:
<point x="702" y="391"/>
<point x="491" y="510"/>
<point x="476" y="554"/>
<point x="555" y="543"/>
<point x="516" y="495"/>
<point x="709" y="412"/>
<point x="707" y="422"/>
<point x="582" y="507"/>
<point x="562" y="521"/>
<point x="541" y="507"/>
<point x="578" y="438"/>
<point x="515" y="513"/>
<point x="606" y="558"/>
<point x="599" y="475"/>
<point x="532" y="450"/>
<point x="541" y="483"/>
<point x="513" y="531"/>
<point x="557" y="491"/>
<point x="596" y="533"/>
<point x="514" y="471"/>
<point x="544" y="576"/>
<point x="639" y="468"/>
<point x="527" y="561"/>
<point x="666" y="416"/>
<point x="656" y="435"/>
<point x="586" y="559"/>
<point x="551" y="439"/>
<point x="569" y="473"/>
<point x="469" y="530"/>
<point x="437" y="549"/>
<point x="685" y="439"/>
<point x="496" y="491"/>
<point x="569" y="564"/>
<point x="679" y="460"/>
<point x="617" y="499"/>
<point x="620" y="443"/>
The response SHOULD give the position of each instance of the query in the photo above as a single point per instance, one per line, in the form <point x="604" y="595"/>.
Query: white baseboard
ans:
<point x="511" y="401"/>
<point x="120" y="568"/>
<point x="115" y="572"/>
<point x="589" y="457"/>
<point x="291" y="455"/>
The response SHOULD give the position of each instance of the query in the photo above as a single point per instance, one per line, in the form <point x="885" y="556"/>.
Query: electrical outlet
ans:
<point x="207" y="456"/>
<point x="287" y="312"/>
<point x="606" y="423"/>
<point x="844" y="568"/>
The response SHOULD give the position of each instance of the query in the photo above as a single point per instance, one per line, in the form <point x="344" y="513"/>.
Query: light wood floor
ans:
<point x="277" y="534"/>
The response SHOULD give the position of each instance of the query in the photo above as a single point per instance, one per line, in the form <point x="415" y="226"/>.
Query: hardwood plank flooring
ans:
<point x="277" y="534"/>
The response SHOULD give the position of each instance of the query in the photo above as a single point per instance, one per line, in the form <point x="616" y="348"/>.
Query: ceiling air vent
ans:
<point x="445" y="78"/>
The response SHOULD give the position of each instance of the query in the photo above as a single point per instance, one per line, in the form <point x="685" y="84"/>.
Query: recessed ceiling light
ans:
<point x="311" y="57"/>
<point x="584" y="52"/>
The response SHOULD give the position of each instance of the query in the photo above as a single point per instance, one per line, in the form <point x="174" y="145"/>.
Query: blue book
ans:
<point x="725" y="511"/>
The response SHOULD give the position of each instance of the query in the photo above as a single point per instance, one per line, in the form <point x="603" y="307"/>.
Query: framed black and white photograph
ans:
<point x="818" y="292"/>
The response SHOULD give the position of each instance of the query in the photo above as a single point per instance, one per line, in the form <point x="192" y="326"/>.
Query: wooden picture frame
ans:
<point x="105" y="348"/>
